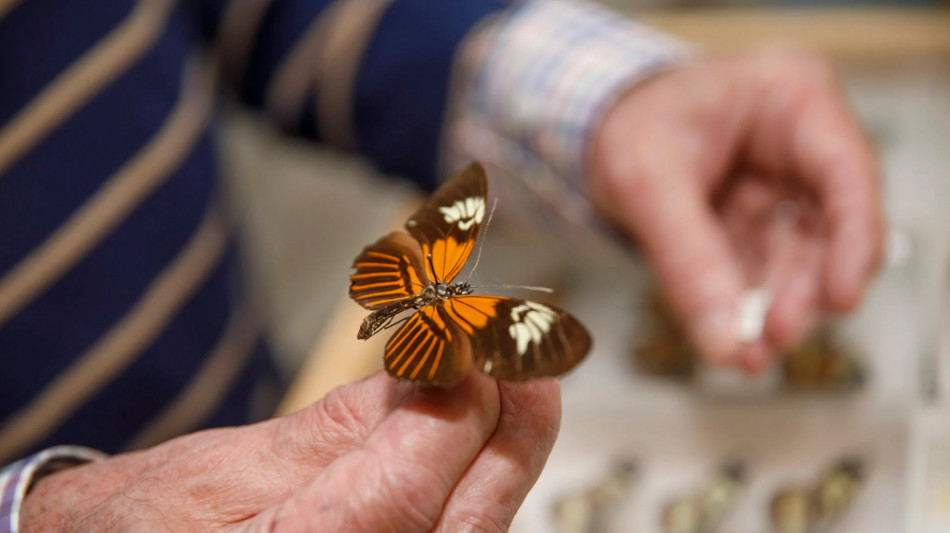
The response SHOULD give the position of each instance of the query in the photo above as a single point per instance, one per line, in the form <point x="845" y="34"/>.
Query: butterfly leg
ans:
<point x="381" y="319"/>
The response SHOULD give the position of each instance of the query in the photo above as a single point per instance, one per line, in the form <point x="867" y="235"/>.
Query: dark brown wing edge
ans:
<point x="464" y="193"/>
<point x="523" y="339"/>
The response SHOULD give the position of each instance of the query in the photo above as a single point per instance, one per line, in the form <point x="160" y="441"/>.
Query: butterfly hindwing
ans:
<point x="447" y="225"/>
<point x="516" y="340"/>
<point x="388" y="271"/>
<point x="451" y="331"/>
<point x="429" y="348"/>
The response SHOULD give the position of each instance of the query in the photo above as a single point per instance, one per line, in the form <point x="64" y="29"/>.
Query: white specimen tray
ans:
<point x="782" y="444"/>
<point x="679" y="434"/>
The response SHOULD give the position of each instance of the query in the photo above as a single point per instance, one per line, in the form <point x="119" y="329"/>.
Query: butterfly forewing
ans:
<point x="388" y="271"/>
<point x="429" y="348"/>
<point x="452" y="331"/>
<point x="516" y="340"/>
<point x="447" y="225"/>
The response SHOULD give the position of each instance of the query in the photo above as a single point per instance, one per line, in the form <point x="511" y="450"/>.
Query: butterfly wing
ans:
<point x="447" y="225"/>
<point x="516" y="340"/>
<point x="388" y="271"/>
<point x="429" y="348"/>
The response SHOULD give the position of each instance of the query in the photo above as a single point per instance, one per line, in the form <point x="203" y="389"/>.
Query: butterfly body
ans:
<point x="451" y="331"/>
<point x="383" y="318"/>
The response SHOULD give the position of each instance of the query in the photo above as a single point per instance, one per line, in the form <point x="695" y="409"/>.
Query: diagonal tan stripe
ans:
<point x="350" y="34"/>
<point x="83" y="79"/>
<point x="239" y="26"/>
<point x="116" y="198"/>
<point x="7" y="5"/>
<point x="215" y="378"/>
<point x="119" y="347"/>
<point x="288" y="88"/>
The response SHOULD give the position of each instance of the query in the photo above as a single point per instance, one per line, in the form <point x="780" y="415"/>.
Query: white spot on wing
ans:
<point x="465" y="212"/>
<point x="530" y="322"/>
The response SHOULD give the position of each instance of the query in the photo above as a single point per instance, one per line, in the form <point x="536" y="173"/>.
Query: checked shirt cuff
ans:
<point x="533" y="85"/>
<point x="16" y="478"/>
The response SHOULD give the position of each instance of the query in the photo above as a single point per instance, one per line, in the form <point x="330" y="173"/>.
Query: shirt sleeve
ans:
<point x="370" y="76"/>
<point x="16" y="478"/>
<point x="534" y="85"/>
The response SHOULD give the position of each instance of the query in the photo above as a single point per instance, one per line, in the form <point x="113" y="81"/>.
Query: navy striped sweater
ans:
<point x="121" y="317"/>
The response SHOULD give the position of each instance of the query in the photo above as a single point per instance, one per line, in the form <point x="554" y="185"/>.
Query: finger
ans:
<point x="339" y="423"/>
<point x="833" y="156"/>
<point x="748" y="213"/>
<point x="692" y="259"/>
<point x="794" y="309"/>
<point x="496" y="483"/>
<point x="400" y="478"/>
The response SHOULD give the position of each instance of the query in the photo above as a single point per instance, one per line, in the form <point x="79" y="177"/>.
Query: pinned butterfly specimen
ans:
<point x="704" y="511"/>
<point x="818" y="509"/>
<point x="592" y="510"/>
<point x="451" y="330"/>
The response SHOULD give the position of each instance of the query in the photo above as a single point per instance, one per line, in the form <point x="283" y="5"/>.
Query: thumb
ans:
<point x="400" y="477"/>
<point x="689" y="251"/>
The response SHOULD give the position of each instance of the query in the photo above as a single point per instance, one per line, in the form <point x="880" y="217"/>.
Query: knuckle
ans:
<point x="619" y="184"/>
<point x="798" y="69"/>
<point x="531" y="408"/>
<point x="330" y="424"/>
<point x="336" y="413"/>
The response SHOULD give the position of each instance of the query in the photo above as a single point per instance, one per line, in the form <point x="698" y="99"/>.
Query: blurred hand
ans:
<point x="742" y="171"/>
<point x="372" y="456"/>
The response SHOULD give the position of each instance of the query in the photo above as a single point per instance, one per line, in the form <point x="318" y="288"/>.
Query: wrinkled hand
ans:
<point x="741" y="171"/>
<point x="372" y="456"/>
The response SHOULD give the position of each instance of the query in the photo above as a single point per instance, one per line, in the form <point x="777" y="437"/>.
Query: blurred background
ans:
<point x="850" y="434"/>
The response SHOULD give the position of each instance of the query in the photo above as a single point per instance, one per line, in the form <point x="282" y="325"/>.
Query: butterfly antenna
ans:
<point x="432" y="266"/>
<point x="525" y="287"/>
<point x="478" y="255"/>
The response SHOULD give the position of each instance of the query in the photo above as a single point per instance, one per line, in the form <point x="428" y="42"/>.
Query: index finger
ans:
<point x="832" y="156"/>
<point x="496" y="483"/>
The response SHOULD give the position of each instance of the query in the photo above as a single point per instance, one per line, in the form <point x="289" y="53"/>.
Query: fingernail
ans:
<point x="714" y="335"/>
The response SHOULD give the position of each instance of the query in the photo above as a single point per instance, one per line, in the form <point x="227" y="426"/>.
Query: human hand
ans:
<point x="741" y="171"/>
<point x="377" y="455"/>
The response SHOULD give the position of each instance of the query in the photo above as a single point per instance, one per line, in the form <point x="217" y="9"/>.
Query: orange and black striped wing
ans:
<point x="429" y="348"/>
<point x="387" y="272"/>
<point x="447" y="225"/>
<point x="517" y="340"/>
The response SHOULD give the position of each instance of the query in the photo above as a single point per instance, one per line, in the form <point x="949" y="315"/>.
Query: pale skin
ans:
<point x="690" y="163"/>
<point x="376" y="455"/>
<point x="695" y="163"/>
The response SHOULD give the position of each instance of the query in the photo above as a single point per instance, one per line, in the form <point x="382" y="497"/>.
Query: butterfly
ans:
<point x="451" y="330"/>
